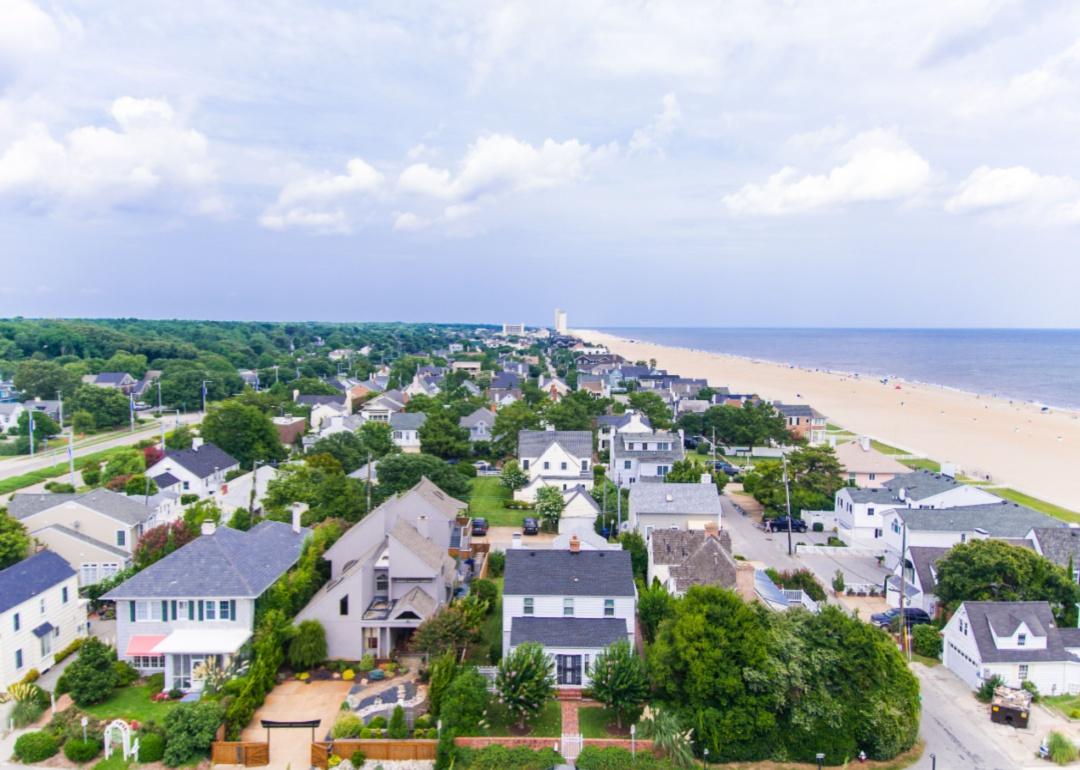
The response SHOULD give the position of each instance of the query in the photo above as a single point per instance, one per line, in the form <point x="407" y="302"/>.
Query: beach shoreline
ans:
<point x="1010" y="440"/>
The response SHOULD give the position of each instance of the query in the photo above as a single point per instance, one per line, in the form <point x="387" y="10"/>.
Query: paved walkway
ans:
<point x="569" y="717"/>
<point x="296" y="701"/>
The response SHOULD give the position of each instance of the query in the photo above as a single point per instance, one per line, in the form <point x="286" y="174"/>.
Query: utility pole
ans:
<point x="71" y="456"/>
<point x="131" y="410"/>
<point x="60" y="400"/>
<point x="787" y="498"/>
<point x="30" y="425"/>
<point x="159" y="397"/>
<point x="903" y="620"/>
<point x="204" y="382"/>
<point x="369" y="482"/>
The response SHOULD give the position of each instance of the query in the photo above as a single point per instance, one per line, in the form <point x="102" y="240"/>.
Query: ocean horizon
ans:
<point x="1034" y="365"/>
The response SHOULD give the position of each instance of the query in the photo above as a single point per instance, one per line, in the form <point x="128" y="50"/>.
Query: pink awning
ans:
<point x="142" y="645"/>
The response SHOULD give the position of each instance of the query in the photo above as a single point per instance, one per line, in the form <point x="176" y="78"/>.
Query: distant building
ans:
<point x="513" y="330"/>
<point x="663" y="506"/>
<point x="865" y="466"/>
<point x="647" y="457"/>
<point x="405" y="427"/>
<point x="560" y="321"/>
<point x="201" y="470"/>
<point x="555" y="458"/>
<point x="803" y="421"/>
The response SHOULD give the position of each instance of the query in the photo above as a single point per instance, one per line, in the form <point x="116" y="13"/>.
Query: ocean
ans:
<point x="1038" y="365"/>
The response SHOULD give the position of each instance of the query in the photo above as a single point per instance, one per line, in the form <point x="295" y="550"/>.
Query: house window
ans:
<point x="562" y="466"/>
<point x="121" y="538"/>
<point x="15" y="620"/>
<point x="63" y="595"/>
<point x="382" y="583"/>
<point x="1023" y="672"/>
<point x="1021" y="640"/>
<point x="877" y="533"/>
<point x="224" y="610"/>
<point x="87" y="573"/>
<point x="547" y="465"/>
<point x="626" y="465"/>
<point x="584" y="465"/>
<point x="525" y="465"/>
<point x="210" y="611"/>
<point x="397" y="435"/>
<point x="343" y="605"/>
<point x="609" y="608"/>
<point x="568" y="607"/>
<point x="46" y="645"/>
<point x="185" y="486"/>
<point x="108" y="570"/>
<point x="18" y="659"/>
<point x="527" y="606"/>
<point x="41" y="605"/>
<point x="873" y="476"/>
<point x="963" y="537"/>
<point x="630" y="446"/>
<point x="662" y="470"/>
<point x="869" y="511"/>
<point x="663" y="446"/>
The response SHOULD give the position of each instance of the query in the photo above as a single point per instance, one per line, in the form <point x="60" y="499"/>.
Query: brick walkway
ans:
<point x="570" y="708"/>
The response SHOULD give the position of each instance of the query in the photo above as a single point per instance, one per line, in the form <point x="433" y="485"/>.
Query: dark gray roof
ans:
<point x="481" y="415"/>
<point x="617" y="421"/>
<point x="1059" y="544"/>
<point x="917" y="485"/>
<point x="228" y="563"/>
<point x="924" y="559"/>
<point x="165" y="480"/>
<point x="533" y="443"/>
<point x="202" y="461"/>
<point x="505" y="381"/>
<point x="588" y="633"/>
<point x="111" y="378"/>
<point x="695" y="557"/>
<point x="562" y="573"/>
<point x="793" y="410"/>
<point x="111" y="504"/>
<point x="1070" y="637"/>
<point x="338" y="400"/>
<point x="407" y="420"/>
<point x="1004" y="618"/>
<point x="676" y="452"/>
<point x="1000" y="520"/>
<point x="29" y="577"/>
<point x="680" y="499"/>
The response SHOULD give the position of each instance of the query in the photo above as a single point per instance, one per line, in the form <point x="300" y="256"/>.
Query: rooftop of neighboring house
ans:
<point x="106" y="502"/>
<point x="111" y="378"/>
<point x="695" y="557"/>
<point x="227" y="563"/>
<point x="407" y="420"/>
<point x="861" y="457"/>
<point x="677" y="499"/>
<point x="1058" y="544"/>
<point x="917" y="485"/>
<point x="481" y="415"/>
<point x="924" y="561"/>
<point x="580" y="492"/>
<point x="632" y="371"/>
<point x="1000" y="520"/>
<point x="618" y="421"/>
<point x="393" y="400"/>
<point x="10" y="407"/>
<point x="533" y="443"/>
<point x="580" y="633"/>
<point x="797" y="410"/>
<point x="202" y="460"/>
<point x="633" y="445"/>
<point x="335" y="400"/>
<point x="546" y="572"/>
<point x="27" y="578"/>
<point x="988" y="619"/>
<point x="505" y="381"/>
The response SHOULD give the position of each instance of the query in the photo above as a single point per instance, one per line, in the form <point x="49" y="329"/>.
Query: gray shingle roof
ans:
<point x="338" y="400"/>
<point x="697" y="499"/>
<point x="481" y="415"/>
<point x="1002" y="519"/>
<point x="29" y="577"/>
<point x="202" y="461"/>
<point x="407" y="420"/>
<point x="1059" y="544"/>
<point x="111" y="378"/>
<point x="917" y="485"/>
<point x="695" y="557"/>
<point x="924" y="559"/>
<point x="562" y="573"/>
<point x="74" y="534"/>
<point x="1005" y="617"/>
<point x="111" y="504"/>
<point x="228" y="563"/>
<point x="587" y="633"/>
<point x="617" y="421"/>
<point x="676" y="452"/>
<point x="533" y="443"/>
<point x="166" y="479"/>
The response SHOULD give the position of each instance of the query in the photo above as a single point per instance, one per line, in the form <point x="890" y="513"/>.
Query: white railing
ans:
<point x="797" y="596"/>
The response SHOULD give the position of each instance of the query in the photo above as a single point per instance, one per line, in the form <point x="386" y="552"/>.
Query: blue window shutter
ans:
<point x="191" y="609"/>
<point x="131" y="608"/>
<point x="172" y="609"/>
<point x="200" y="610"/>
<point x="165" y="610"/>
<point x="232" y="609"/>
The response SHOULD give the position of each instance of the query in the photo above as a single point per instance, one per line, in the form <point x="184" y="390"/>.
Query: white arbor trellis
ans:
<point x="130" y="748"/>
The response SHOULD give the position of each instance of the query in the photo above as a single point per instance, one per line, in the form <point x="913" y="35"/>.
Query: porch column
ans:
<point x="168" y="672"/>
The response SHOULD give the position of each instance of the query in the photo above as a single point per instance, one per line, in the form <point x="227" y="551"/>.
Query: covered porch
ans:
<point x="189" y="655"/>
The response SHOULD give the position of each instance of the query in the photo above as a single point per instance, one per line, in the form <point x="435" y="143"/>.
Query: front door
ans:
<point x="568" y="669"/>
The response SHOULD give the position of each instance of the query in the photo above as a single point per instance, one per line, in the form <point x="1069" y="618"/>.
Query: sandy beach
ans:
<point x="1012" y="442"/>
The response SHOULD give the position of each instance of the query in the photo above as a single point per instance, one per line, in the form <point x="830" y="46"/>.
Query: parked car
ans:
<point x="531" y="526"/>
<point x="913" y="616"/>
<point x="479" y="527"/>
<point x="726" y="468"/>
<point x="780" y="524"/>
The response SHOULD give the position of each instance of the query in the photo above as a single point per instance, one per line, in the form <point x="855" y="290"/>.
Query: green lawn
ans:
<point x="1066" y="704"/>
<point x="489" y="498"/>
<point x="928" y="662"/>
<point x="546" y="724"/>
<point x="885" y="449"/>
<point x="1033" y="502"/>
<point x="922" y="464"/>
<point x="594" y="721"/>
<point x="13" y="483"/>
<point x="132" y="703"/>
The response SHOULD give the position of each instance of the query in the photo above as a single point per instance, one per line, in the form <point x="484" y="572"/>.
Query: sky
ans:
<point x="896" y="164"/>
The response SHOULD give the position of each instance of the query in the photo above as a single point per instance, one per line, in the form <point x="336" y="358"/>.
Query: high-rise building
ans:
<point x="560" y="321"/>
<point x="513" y="330"/>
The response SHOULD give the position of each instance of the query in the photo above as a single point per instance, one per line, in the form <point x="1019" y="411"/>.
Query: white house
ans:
<point x="383" y="405"/>
<point x="608" y="425"/>
<point x="390" y="572"/>
<point x="859" y="511"/>
<point x="1060" y="545"/>
<point x="238" y="492"/>
<point x="1018" y="641"/>
<point x="196" y="606"/>
<point x="40" y="614"/>
<point x="673" y="506"/>
<point x="919" y="573"/>
<point x="479" y="424"/>
<point x="9" y="415"/>
<point x="556" y="458"/>
<point x="865" y="466"/>
<point x="201" y="470"/>
<point x="575" y="603"/>
<point x="579" y="510"/>
<point x="644" y="456"/>
<point x="405" y="430"/>
<point x="946" y="527"/>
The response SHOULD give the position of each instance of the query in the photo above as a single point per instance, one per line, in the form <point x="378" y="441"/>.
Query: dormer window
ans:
<point x="382" y="583"/>
<point x="1021" y="640"/>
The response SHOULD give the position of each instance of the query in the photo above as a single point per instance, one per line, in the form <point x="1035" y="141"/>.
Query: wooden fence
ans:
<point x="247" y="753"/>
<point x="385" y="749"/>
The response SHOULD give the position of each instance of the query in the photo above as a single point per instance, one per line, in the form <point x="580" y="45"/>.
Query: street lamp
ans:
<point x="706" y="759"/>
<point x="820" y="758"/>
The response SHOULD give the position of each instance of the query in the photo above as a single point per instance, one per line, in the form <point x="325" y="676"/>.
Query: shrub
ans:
<point x="1062" y="750"/>
<point x="838" y="581"/>
<point x="377" y="723"/>
<point x="486" y="591"/>
<point x="31" y="676"/>
<point x="347" y="725"/>
<point x="817" y="526"/>
<point x="367" y="734"/>
<point x="184" y="499"/>
<point x="27" y="712"/>
<point x="446" y="752"/>
<point x="156" y="682"/>
<point x="835" y="542"/>
<point x="308" y="646"/>
<point x="35" y="747"/>
<point x="91" y="678"/>
<point x="348" y="675"/>
<point x="398" y="727"/>
<point x="422" y="722"/>
<point x="1032" y="688"/>
<point x="78" y="750"/>
<point x="71" y="649"/>
<point x="358" y="759"/>
<point x="465" y="702"/>
<point x="986" y="692"/>
<point x="189" y="730"/>
<point x="126" y="673"/>
<point x="926" y="641"/>
<point x="151" y="747"/>
<point x="497" y="757"/>
<point x="496" y="563"/>
<point x="367" y="663"/>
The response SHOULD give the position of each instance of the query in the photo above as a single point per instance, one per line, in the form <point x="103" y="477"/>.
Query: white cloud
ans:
<point x="1018" y="194"/>
<point x="878" y="166"/>
<point x="27" y="33"/>
<point x="315" y="201"/>
<point x="153" y="159"/>
<point x="653" y="136"/>
<point x="1056" y="77"/>
<point x="407" y="221"/>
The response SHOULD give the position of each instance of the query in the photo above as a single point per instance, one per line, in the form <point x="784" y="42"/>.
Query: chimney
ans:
<point x="515" y="540"/>
<point x="706" y="478"/>
<point x="712" y="529"/>
<point x="902" y="494"/>
<point x="744" y="581"/>
<point x="298" y="510"/>
<point x="864" y="443"/>
<point x="196" y="442"/>
<point x="208" y="527"/>
<point x="575" y="544"/>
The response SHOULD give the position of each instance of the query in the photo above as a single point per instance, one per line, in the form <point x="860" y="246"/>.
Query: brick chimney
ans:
<point x="712" y="529"/>
<point x="744" y="581"/>
<point x="575" y="544"/>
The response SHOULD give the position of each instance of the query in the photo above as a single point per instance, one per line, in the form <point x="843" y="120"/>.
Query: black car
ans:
<point x="913" y="616"/>
<point x="531" y="526"/>
<point x="479" y="527"/>
<point x="780" y="524"/>
<point x="726" y="468"/>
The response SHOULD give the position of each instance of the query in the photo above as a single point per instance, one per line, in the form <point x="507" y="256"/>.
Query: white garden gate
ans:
<point x="130" y="748"/>
<point x="571" y="747"/>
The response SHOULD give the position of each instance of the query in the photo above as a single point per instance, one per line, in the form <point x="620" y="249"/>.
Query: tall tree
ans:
<point x="14" y="540"/>
<point x="42" y="379"/>
<point x="109" y="407"/>
<point x="400" y="472"/>
<point x="814" y="475"/>
<point x="440" y="435"/>
<point x="509" y="421"/>
<point x="549" y="507"/>
<point x="619" y="681"/>
<point x="244" y="432"/>
<point x="653" y="406"/>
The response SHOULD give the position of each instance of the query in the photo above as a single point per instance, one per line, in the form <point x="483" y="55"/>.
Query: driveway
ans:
<point x="501" y="538"/>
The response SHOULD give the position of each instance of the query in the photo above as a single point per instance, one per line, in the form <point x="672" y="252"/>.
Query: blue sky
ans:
<point x="693" y="163"/>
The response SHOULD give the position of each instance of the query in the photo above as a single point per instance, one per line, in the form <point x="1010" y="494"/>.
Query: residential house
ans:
<point x="1060" y="545"/>
<point x="469" y="367"/>
<point x="692" y="406"/>
<point x="340" y="354"/>
<point x="390" y="572"/>
<point x="595" y="384"/>
<point x="238" y="493"/>
<point x="479" y="424"/>
<point x="504" y="384"/>
<point x="249" y="377"/>
<point x="95" y="532"/>
<point x="945" y="527"/>
<point x="323" y="408"/>
<point x="597" y="363"/>
<point x="51" y="407"/>
<point x="10" y="412"/>
<point x="195" y="608"/>
<point x="917" y="573"/>
<point x="554" y="387"/>
<point x="422" y="386"/>
<point x="644" y="456"/>
<point x="579" y="510"/>
<point x="673" y="506"/>
<point x="680" y="558"/>
<point x="382" y="406"/>
<point x="337" y="423"/>
<point x="1017" y="641"/>
<point x="121" y="381"/>
<point x="866" y="467"/>
<point x="609" y="424"/>
<point x="201" y="469"/>
<point x="620" y="377"/>
<point x="556" y="458"/>
<point x="290" y="429"/>
<point x="40" y="614"/>
<point x="405" y="430"/>
<point x="575" y="603"/>
<point x="368" y="472"/>
<point x="859" y="511"/>
<point x="455" y="347"/>
<point x="803" y="421"/>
